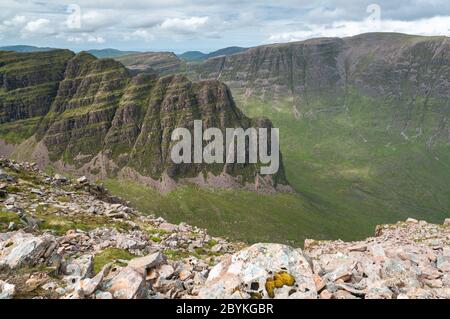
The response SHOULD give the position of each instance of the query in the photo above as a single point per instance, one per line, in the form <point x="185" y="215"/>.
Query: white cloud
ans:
<point x="208" y="24"/>
<point x="75" y="39"/>
<point x="38" y="26"/>
<point x="439" y="25"/>
<point x="139" y="34"/>
<point x="15" y="21"/>
<point x="184" y="25"/>
<point x="97" y="19"/>
<point x="95" y="39"/>
<point x="84" y="37"/>
<point x="325" y="13"/>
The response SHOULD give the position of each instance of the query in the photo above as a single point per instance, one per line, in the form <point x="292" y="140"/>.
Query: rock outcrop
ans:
<point x="71" y="240"/>
<point x="19" y="249"/>
<point x="405" y="260"/>
<point x="261" y="271"/>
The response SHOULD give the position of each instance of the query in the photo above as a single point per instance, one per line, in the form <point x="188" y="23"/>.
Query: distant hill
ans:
<point x="25" y="48"/>
<point x="110" y="53"/>
<point x="161" y="63"/>
<point x="193" y="56"/>
<point x="200" y="56"/>
<point x="226" y="51"/>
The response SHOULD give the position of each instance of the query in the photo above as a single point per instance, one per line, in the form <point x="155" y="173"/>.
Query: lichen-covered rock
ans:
<point x="81" y="267"/>
<point x="260" y="271"/>
<point x="19" y="249"/>
<point x="6" y="290"/>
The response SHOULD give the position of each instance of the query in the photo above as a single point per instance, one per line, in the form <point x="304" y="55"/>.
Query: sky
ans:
<point x="208" y="25"/>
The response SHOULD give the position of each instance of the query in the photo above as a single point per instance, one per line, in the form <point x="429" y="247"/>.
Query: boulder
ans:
<point x="82" y="180"/>
<point x="81" y="267"/>
<point x="6" y="290"/>
<point x="128" y="284"/>
<point x="103" y="295"/>
<point x="443" y="264"/>
<point x="5" y="177"/>
<point x="260" y="271"/>
<point x="143" y="264"/>
<point x="59" y="179"/>
<point x="168" y="227"/>
<point x="37" y="191"/>
<point x="165" y="271"/>
<point x="88" y="286"/>
<point x="24" y="249"/>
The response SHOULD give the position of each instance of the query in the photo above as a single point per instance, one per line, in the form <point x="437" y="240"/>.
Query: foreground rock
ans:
<point x="128" y="284"/>
<point x="406" y="260"/>
<point x="6" y="290"/>
<point x="262" y="271"/>
<point x="19" y="249"/>
<point x="61" y="238"/>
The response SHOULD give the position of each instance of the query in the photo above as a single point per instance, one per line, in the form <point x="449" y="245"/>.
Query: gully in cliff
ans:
<point x="242" y="146"/>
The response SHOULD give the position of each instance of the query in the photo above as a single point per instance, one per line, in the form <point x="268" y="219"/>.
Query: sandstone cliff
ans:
<point x="92" y="116"/>
<point x="407" y="75"/>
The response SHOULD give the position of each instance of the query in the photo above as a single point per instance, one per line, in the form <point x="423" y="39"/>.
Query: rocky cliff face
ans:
<point x="63" y="238"/>
<point x="28" y="85"/>
<point x="92" y="116"/>
<point x="364" y="120"/>
<point x="409" y="73"/>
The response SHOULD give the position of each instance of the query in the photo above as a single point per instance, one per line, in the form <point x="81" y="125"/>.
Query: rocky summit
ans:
<point x="69" y="238"/>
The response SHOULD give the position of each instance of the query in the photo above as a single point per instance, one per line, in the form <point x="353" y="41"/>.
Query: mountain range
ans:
<point x="200" y="56"/>
<point x="25" y="48"/>
<point x="109" y="53"/>
<point x="91" y="116"/>
<point x="114" y="53"/>
<point x="364" y="120"/>
<point x="364" y="129"/>
<point x="161" y="63"/>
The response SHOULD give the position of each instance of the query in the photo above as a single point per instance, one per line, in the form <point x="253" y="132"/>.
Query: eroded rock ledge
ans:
<point x="63" y="238"/>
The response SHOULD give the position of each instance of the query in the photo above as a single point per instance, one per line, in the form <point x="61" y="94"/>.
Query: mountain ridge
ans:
<point x="192" y="56"/>
<point x="25" y="48"/>
<point x="110" y="53"/>
<point x="100" y="120"/>
<point x="364" y="120"/>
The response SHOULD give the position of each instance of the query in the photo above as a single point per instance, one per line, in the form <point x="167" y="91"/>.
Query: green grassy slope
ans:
<point x="348" y="162"/>
<point x="240" y="215"/>
<point x="351" y="174"/>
